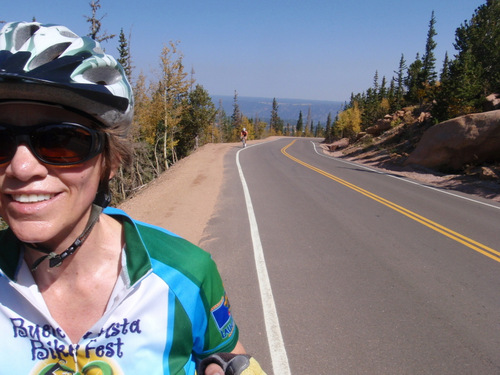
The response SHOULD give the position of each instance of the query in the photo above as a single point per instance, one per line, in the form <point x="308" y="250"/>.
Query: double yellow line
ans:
<point x="480" y="248"/>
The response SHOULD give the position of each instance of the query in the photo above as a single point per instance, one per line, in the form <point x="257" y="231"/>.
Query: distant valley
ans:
<point x="288" y="109"/>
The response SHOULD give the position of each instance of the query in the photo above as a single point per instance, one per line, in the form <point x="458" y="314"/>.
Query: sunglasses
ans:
<point x="54" y="144"/>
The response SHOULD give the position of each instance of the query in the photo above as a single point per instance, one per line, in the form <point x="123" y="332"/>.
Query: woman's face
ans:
<point x="43" y="203"/>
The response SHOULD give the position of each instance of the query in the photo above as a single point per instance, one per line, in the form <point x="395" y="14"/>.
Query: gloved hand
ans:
<point x="233" y="364"/>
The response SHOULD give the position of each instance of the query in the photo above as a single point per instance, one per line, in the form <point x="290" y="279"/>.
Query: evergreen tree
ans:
<point x="445" y="71"/>
<point x="300" y="125"/>
<point x="391" y="95"/>
<point x="376" y="87"/>
<point x="428" y="60"/>
<point x="328" y="128"/>
<point x="275" y="123"/>
<point x="124" y="55"/>
<point x="236" y="117"/>
<point x="413" y="80"/>
<point x="478" y="41"/>
<point x="475" y="72"/>
<point x="318" y="132"/>
<point x="383" y="89"/>
<point x="400" y="82"/>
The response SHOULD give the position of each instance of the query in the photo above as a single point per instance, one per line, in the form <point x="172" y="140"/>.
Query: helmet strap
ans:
<point x="55" y="260"/>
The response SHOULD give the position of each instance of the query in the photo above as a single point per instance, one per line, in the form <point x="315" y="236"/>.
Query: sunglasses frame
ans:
<point x="25" y="134"/>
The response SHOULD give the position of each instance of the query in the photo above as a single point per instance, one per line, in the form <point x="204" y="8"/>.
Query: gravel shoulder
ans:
<point x="183" y="198"/>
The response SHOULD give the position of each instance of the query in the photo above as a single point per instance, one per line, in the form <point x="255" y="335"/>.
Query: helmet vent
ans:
<point x="68" y="34"/>
<point x="23" y="33"/>
<point x="102" y="75"/>
<point x="50" y="54"/>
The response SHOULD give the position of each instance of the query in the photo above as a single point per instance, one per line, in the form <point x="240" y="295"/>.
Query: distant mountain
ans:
<point x="288" y="109"/>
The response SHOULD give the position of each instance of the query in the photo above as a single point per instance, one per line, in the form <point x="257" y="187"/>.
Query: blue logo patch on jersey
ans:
<point x="222" y="317"/>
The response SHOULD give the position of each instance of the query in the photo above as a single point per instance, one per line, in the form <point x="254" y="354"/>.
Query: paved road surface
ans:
<point x="370" y="274"/>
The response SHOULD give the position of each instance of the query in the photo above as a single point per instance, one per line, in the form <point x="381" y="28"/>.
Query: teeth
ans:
<point x="32" y="198"/>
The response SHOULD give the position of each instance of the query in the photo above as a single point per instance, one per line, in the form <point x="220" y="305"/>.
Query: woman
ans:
<point x="84" y="289"/>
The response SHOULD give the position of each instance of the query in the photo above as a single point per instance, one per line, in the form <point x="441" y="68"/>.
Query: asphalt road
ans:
<point x="369" y="273"/>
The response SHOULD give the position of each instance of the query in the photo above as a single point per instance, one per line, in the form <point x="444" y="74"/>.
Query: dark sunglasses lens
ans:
<point x="62" y="144"/>
<point x="8" y="145"/>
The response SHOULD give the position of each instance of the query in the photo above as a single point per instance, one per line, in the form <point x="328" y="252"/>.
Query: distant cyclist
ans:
<point x="243" y="137"/>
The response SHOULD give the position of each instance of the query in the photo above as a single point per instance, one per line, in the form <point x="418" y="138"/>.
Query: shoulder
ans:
<point x="165" y="249"/>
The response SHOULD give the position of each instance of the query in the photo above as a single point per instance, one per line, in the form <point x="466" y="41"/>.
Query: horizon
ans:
<point x="288" y="108"/>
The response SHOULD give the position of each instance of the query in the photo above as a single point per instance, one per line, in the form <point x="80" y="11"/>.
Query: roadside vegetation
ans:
<point x="461" y="87"/>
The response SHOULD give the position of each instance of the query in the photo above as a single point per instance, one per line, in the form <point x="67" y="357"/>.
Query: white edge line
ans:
<point x="279" y="357"/>
<point x="404" y="179"/>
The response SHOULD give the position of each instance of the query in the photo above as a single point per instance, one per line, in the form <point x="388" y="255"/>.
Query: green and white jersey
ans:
<point x="167" y="310"/>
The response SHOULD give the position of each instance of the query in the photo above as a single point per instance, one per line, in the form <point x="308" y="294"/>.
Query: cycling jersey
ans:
<point x="167" y="310"/>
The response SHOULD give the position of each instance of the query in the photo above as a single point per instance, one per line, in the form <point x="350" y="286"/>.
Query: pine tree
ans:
<point x="478" y="41"/>
<point x="300" y="125"/>
<point x="376" y="87"/>
<point x="328" y="128"/>
<point x="236" y="118"/>
<point x="275" y="123"/>
<point x="475" y="72"/>
<point x="445" y="71"/>
<point x="413" y="80"/>
<point x="400" y="82"/>
<point x="124" y="55"/>
<point x="428" y="74"/>
<point x="383" y="89"/>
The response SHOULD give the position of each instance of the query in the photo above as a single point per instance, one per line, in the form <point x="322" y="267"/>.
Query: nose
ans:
<point x="24" y="165"/>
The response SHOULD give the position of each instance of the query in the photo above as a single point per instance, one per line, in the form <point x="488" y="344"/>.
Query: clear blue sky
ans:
<point x="303" y="49"/>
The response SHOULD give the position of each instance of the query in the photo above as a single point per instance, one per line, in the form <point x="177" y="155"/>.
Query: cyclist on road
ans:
<point x="243" y="136"/>
<point x="84" y="287"/>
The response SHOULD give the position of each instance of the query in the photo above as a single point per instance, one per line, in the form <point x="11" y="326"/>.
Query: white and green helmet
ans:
<point x="50" y="63"/>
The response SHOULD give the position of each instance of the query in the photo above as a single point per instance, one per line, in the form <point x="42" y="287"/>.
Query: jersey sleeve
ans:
<point x="221" y="333"/>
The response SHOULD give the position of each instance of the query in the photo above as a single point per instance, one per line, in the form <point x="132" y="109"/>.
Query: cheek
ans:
<point x="84" y="181"/>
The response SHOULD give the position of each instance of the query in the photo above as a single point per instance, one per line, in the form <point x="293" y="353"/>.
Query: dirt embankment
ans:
<point x="382" y="160"/>
<point x="183" y="198"/>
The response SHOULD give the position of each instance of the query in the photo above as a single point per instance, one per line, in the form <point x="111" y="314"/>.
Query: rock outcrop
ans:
<point x="341" y="143"/>
<point x="492" y="102"/>
<point x="452" y="144"/>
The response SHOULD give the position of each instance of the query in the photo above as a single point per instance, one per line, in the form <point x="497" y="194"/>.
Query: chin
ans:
<point x="31" y="232"/>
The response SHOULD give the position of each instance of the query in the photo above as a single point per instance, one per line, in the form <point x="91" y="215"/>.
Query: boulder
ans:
<point x="380" y="126"/>
<point x="452" y="144"/>
<point x="492" y="102"/>
<point x="424" y="116"/>
<point x="341" y="143"/>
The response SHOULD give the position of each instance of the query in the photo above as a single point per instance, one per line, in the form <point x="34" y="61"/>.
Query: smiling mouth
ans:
<point x="32" y="198"/>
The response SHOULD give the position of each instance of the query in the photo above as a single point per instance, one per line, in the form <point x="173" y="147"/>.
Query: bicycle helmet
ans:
<point x="51" y="64"/>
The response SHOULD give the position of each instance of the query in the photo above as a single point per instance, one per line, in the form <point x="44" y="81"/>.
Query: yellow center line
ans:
<point x="483" y="249"/>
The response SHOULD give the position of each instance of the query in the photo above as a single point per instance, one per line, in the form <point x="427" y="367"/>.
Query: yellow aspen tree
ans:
<point x="141" y="110"/>
<point x="174" y="87"/>
<point x="349" y="121"/>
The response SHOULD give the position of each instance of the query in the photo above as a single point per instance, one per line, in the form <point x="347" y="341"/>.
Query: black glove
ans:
<point x="233" y="364"/>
